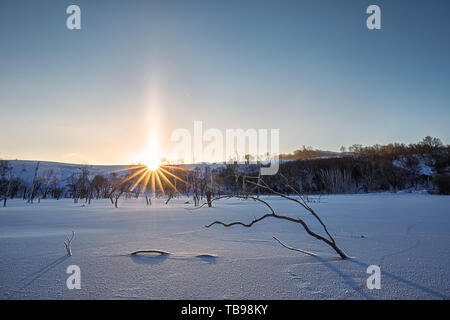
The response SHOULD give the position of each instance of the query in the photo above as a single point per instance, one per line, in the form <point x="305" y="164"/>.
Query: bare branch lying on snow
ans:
<point x="330" y="240"/>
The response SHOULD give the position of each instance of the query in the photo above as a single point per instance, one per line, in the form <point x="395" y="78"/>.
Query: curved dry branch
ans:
<point x="303" y="204"/>
<point x="331" y="243"/>
<point x="247" y="225"/>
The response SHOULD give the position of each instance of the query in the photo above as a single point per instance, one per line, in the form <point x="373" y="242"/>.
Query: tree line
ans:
<point x="361" y="169"/>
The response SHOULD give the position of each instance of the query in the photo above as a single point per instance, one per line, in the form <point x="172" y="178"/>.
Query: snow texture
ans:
<point x="407" y="235"/>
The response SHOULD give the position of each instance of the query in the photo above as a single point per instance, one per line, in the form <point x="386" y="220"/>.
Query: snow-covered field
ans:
<point x="407" y="235"/>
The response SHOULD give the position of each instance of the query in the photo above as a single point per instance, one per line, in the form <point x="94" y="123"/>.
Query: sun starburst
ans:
<point x="154" y="173"/>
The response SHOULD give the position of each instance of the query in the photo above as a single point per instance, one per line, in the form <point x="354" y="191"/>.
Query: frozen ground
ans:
<point x="408" y="236"/>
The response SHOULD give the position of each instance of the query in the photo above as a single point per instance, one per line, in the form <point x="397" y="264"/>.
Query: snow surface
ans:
<point x="407" y="235"/>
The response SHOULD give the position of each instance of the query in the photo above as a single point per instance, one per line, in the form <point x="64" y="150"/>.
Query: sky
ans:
<point x="141" y="69"/>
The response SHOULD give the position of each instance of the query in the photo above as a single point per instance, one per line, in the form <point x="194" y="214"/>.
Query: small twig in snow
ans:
<point x="68" y="244"/>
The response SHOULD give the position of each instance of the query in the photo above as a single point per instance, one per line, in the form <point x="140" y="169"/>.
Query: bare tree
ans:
<point x="33" y="184"/>
<point x="336" y="180"/>
<point x="8" y="189"/>
<point x="117" y="194"/>
<point x="49" y="179"/>
<point x="117" y="191"/>
<point x="5" y="171"/>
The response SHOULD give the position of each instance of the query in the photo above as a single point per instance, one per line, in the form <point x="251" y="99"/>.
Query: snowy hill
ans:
<point x="24" y="169"/>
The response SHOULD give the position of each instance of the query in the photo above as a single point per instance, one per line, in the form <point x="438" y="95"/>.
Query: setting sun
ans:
<point x="152" y="163"/>
<point x="150" y="170"/>
<point x="151" y="155"/>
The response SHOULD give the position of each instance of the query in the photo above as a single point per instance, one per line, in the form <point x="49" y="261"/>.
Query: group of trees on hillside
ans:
<point x="392" y="167"/>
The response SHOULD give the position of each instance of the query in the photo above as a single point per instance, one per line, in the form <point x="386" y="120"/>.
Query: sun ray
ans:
<point x="138" y="181"/>
<point x="128" y="169"/>
<point x="153" y="173"/>
<point x="153" y="184"/>
<point x="134" y="175"/>
<point x="171" y="174"/>
<point x="147" y="178"/>
<point x="159" y="182"/>
<point x="168" y="181"/>
<point x="175" y="168"/>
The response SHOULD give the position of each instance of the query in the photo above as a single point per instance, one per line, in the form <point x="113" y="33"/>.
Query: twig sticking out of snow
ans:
<point x="295" y="249"/>
<point x="68" y="244"/>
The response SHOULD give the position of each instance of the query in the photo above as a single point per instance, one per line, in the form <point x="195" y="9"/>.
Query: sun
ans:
<point x="152" y="163"/>
<point x="150" y="171"/>
<point x="151" y="155"/>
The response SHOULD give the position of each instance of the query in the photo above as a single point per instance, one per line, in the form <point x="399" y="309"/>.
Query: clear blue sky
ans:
<point x="310" y="68"/>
